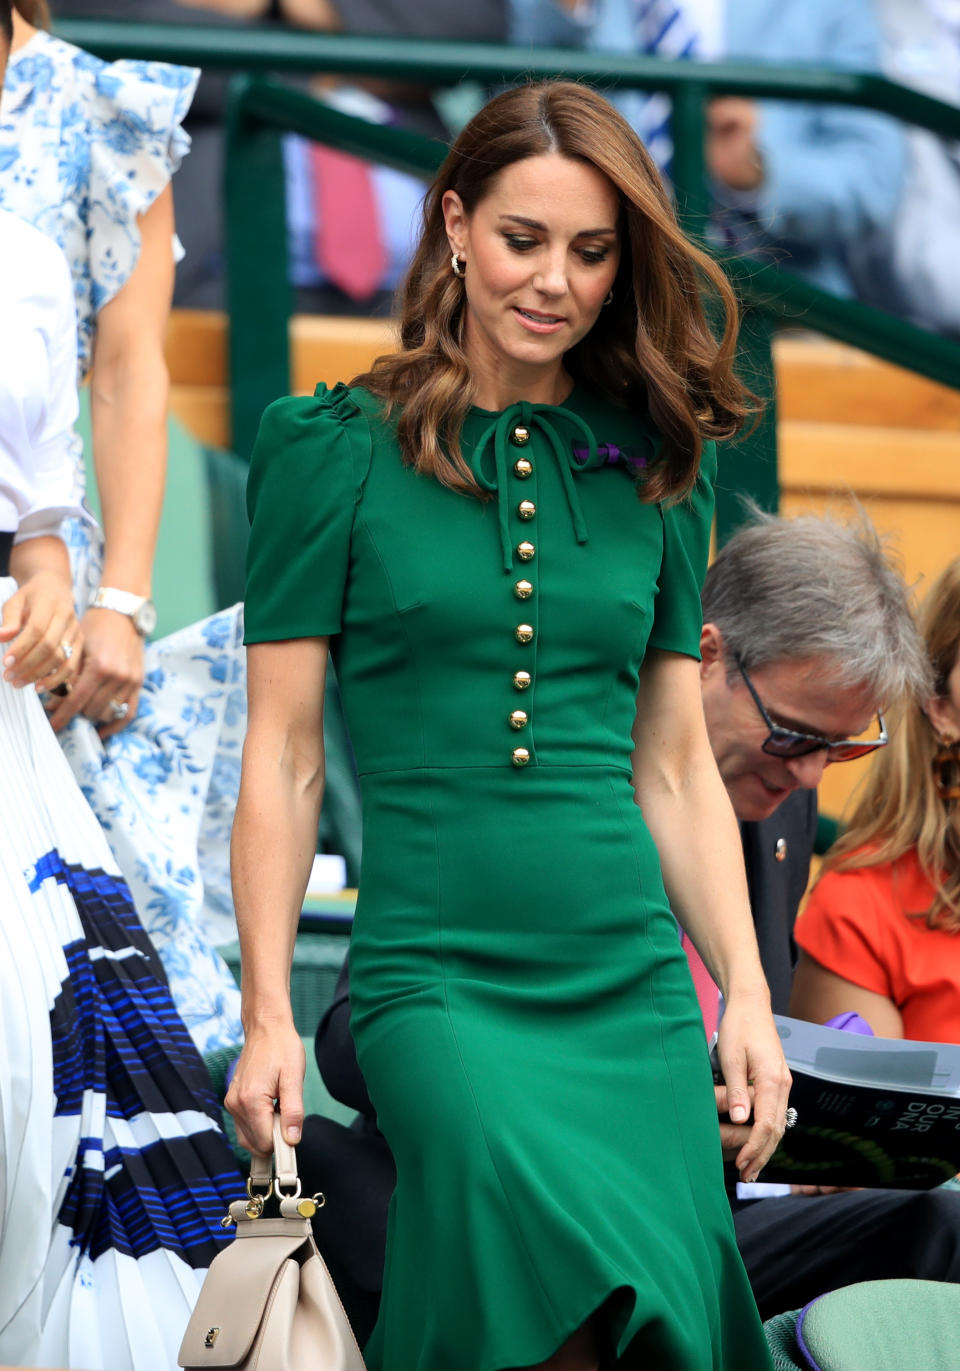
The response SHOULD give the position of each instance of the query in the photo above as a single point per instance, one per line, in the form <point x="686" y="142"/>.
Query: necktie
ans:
<point x="347" y="240"/>
<point x="662" y="28"/>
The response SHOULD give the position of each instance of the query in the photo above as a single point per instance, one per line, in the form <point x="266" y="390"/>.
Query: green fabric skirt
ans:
<point x="527" y="1027"/>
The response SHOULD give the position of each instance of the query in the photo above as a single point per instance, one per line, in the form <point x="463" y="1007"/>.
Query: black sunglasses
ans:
<point x="788" y="742"/>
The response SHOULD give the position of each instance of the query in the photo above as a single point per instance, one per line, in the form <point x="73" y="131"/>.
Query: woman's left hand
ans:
<point x="40" y="639"/>
<point x="111" y="674"/>
<point x="755" y="1072"/>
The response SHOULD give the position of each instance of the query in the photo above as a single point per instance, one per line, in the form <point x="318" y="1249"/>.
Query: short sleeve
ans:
<point x="135" y="114"/>
<point x="841" y="930"/>
<point x="677" y="616"/>
<point x="301" y="495"/>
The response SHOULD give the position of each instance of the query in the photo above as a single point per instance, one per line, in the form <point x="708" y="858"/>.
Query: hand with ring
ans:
<point x="116" y="710"/>
<point x="40" y="638"/>
<point x="107" y="689"/>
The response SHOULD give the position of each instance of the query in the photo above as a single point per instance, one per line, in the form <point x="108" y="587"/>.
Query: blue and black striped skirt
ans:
<point x="114" y="1171"/>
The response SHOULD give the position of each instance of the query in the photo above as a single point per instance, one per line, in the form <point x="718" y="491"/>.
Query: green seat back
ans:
<point x="894" y="1325"/>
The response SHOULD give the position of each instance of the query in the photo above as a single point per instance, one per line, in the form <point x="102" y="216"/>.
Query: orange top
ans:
<point x="856" y="925"/>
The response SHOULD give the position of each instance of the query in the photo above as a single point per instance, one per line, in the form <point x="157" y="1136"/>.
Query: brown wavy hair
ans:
<point x="899" y="808"/>
<point x="36" y="12"/>
<point x="650" y="350"/>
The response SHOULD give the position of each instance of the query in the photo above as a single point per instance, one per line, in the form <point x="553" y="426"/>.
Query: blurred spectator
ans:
<point x="484" y="21"/>
<point x="800" y="182"/>
<point x="910" y="265"/>
<point x="348" y="261"/>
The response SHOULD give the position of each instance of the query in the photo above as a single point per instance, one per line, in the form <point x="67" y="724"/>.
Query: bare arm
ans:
<point x="274" y="839"/>
<point x="689" y="816"/>
<point x="129" y="388"/>
<point x="819" y="994"/>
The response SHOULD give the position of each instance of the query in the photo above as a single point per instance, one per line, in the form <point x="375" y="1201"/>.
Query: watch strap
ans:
<point x="123" y="601"/>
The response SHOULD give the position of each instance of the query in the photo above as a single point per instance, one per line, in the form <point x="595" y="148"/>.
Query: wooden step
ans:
<point x="818" y="381"/>
<point x="907" y="462"/>
<point x="325" y="347"/>
<point x="824" y="382"/>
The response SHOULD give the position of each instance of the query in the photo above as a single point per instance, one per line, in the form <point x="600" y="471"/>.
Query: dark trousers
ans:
<point x="797" y="1247"/>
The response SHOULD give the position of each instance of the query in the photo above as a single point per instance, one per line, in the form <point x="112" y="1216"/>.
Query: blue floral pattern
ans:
<point x="85" y="148"/>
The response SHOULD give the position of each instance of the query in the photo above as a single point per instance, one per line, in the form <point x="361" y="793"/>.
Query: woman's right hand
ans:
<point x="41" y="639"/>
<point x="269" y="1071"/>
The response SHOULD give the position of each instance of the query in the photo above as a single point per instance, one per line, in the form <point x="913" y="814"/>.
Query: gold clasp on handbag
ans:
<point x="257" y="1198"/>
<point x="309" y="1205"/>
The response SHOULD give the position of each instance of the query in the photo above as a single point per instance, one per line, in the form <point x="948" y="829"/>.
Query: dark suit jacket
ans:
<point x="777" y="885"/>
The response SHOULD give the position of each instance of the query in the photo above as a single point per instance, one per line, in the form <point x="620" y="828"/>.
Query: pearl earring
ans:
<point x="459" y="267"/>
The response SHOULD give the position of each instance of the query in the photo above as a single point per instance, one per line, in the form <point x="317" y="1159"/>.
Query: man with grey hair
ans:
<point x="807" y="637"/>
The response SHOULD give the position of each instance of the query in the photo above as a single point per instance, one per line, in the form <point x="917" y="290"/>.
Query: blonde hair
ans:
<point x="899" y="807"/>
<point x="36" y="12"/>
<point x="651" y="350"/>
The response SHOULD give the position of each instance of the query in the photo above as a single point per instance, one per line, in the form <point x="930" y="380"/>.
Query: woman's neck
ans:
<point x="498" y="387"/>
<point x="22" y="31"/>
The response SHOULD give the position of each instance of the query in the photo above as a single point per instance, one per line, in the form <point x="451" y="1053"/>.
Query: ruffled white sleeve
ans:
<point x="136" y="144"/>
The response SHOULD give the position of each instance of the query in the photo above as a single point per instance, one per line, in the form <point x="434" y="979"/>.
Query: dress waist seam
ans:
<point x="499" y="767"/>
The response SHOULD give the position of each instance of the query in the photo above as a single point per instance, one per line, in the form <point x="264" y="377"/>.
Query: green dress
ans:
<point x="522" y="1008"/>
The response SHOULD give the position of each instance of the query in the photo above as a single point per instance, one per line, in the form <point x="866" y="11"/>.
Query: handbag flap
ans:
<point x="236" y="1291"/>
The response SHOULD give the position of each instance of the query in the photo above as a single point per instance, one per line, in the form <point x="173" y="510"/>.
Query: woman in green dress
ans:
<point x="500" y="534"/>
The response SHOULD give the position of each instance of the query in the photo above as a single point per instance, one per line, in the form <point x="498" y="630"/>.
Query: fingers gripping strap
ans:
<point x="283" y="1163"/>
<point x="284" y="1158"/>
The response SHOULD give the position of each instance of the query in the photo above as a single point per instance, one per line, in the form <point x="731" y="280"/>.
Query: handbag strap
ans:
<point x="282" y="1164"/>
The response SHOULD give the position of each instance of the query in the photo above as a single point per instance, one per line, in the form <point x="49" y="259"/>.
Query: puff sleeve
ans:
<point x="677" y="616"/>
<point x="301" y="495"/>
<point x="135" y="112"/>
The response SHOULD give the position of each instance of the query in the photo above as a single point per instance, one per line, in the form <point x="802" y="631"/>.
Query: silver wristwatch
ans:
<point x="139" y="608"/>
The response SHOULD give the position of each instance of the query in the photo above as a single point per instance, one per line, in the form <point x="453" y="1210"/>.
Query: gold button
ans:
<point x="521" y="680"/>
<point x="523" y="468"/>
<point x="523" y="590"/>
<point x="520" y="756"/>
<point x="525" y="551"/>
<point x="524" y="633"/>
<point x="520" y="436"/>
<point x="518" y="719"/>
<point x="526" y="509"/>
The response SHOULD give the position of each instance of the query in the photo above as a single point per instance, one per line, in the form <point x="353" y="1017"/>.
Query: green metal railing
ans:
<point x="260" y="109"/>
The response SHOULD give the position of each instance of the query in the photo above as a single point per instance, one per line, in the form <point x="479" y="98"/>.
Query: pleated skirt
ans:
<point x="114" y="1171"/>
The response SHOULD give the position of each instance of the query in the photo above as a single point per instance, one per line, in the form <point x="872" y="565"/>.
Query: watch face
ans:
<point x="145" y="618"/>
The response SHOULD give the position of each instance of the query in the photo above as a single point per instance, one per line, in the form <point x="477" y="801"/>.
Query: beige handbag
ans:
<point x="268" y="1303"/>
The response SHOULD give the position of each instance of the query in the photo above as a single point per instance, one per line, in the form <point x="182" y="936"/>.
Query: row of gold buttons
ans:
<point x="523" y="590"/>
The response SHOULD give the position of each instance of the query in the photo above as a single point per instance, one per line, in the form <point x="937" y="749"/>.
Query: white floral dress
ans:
<point x="85" y="148"/>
